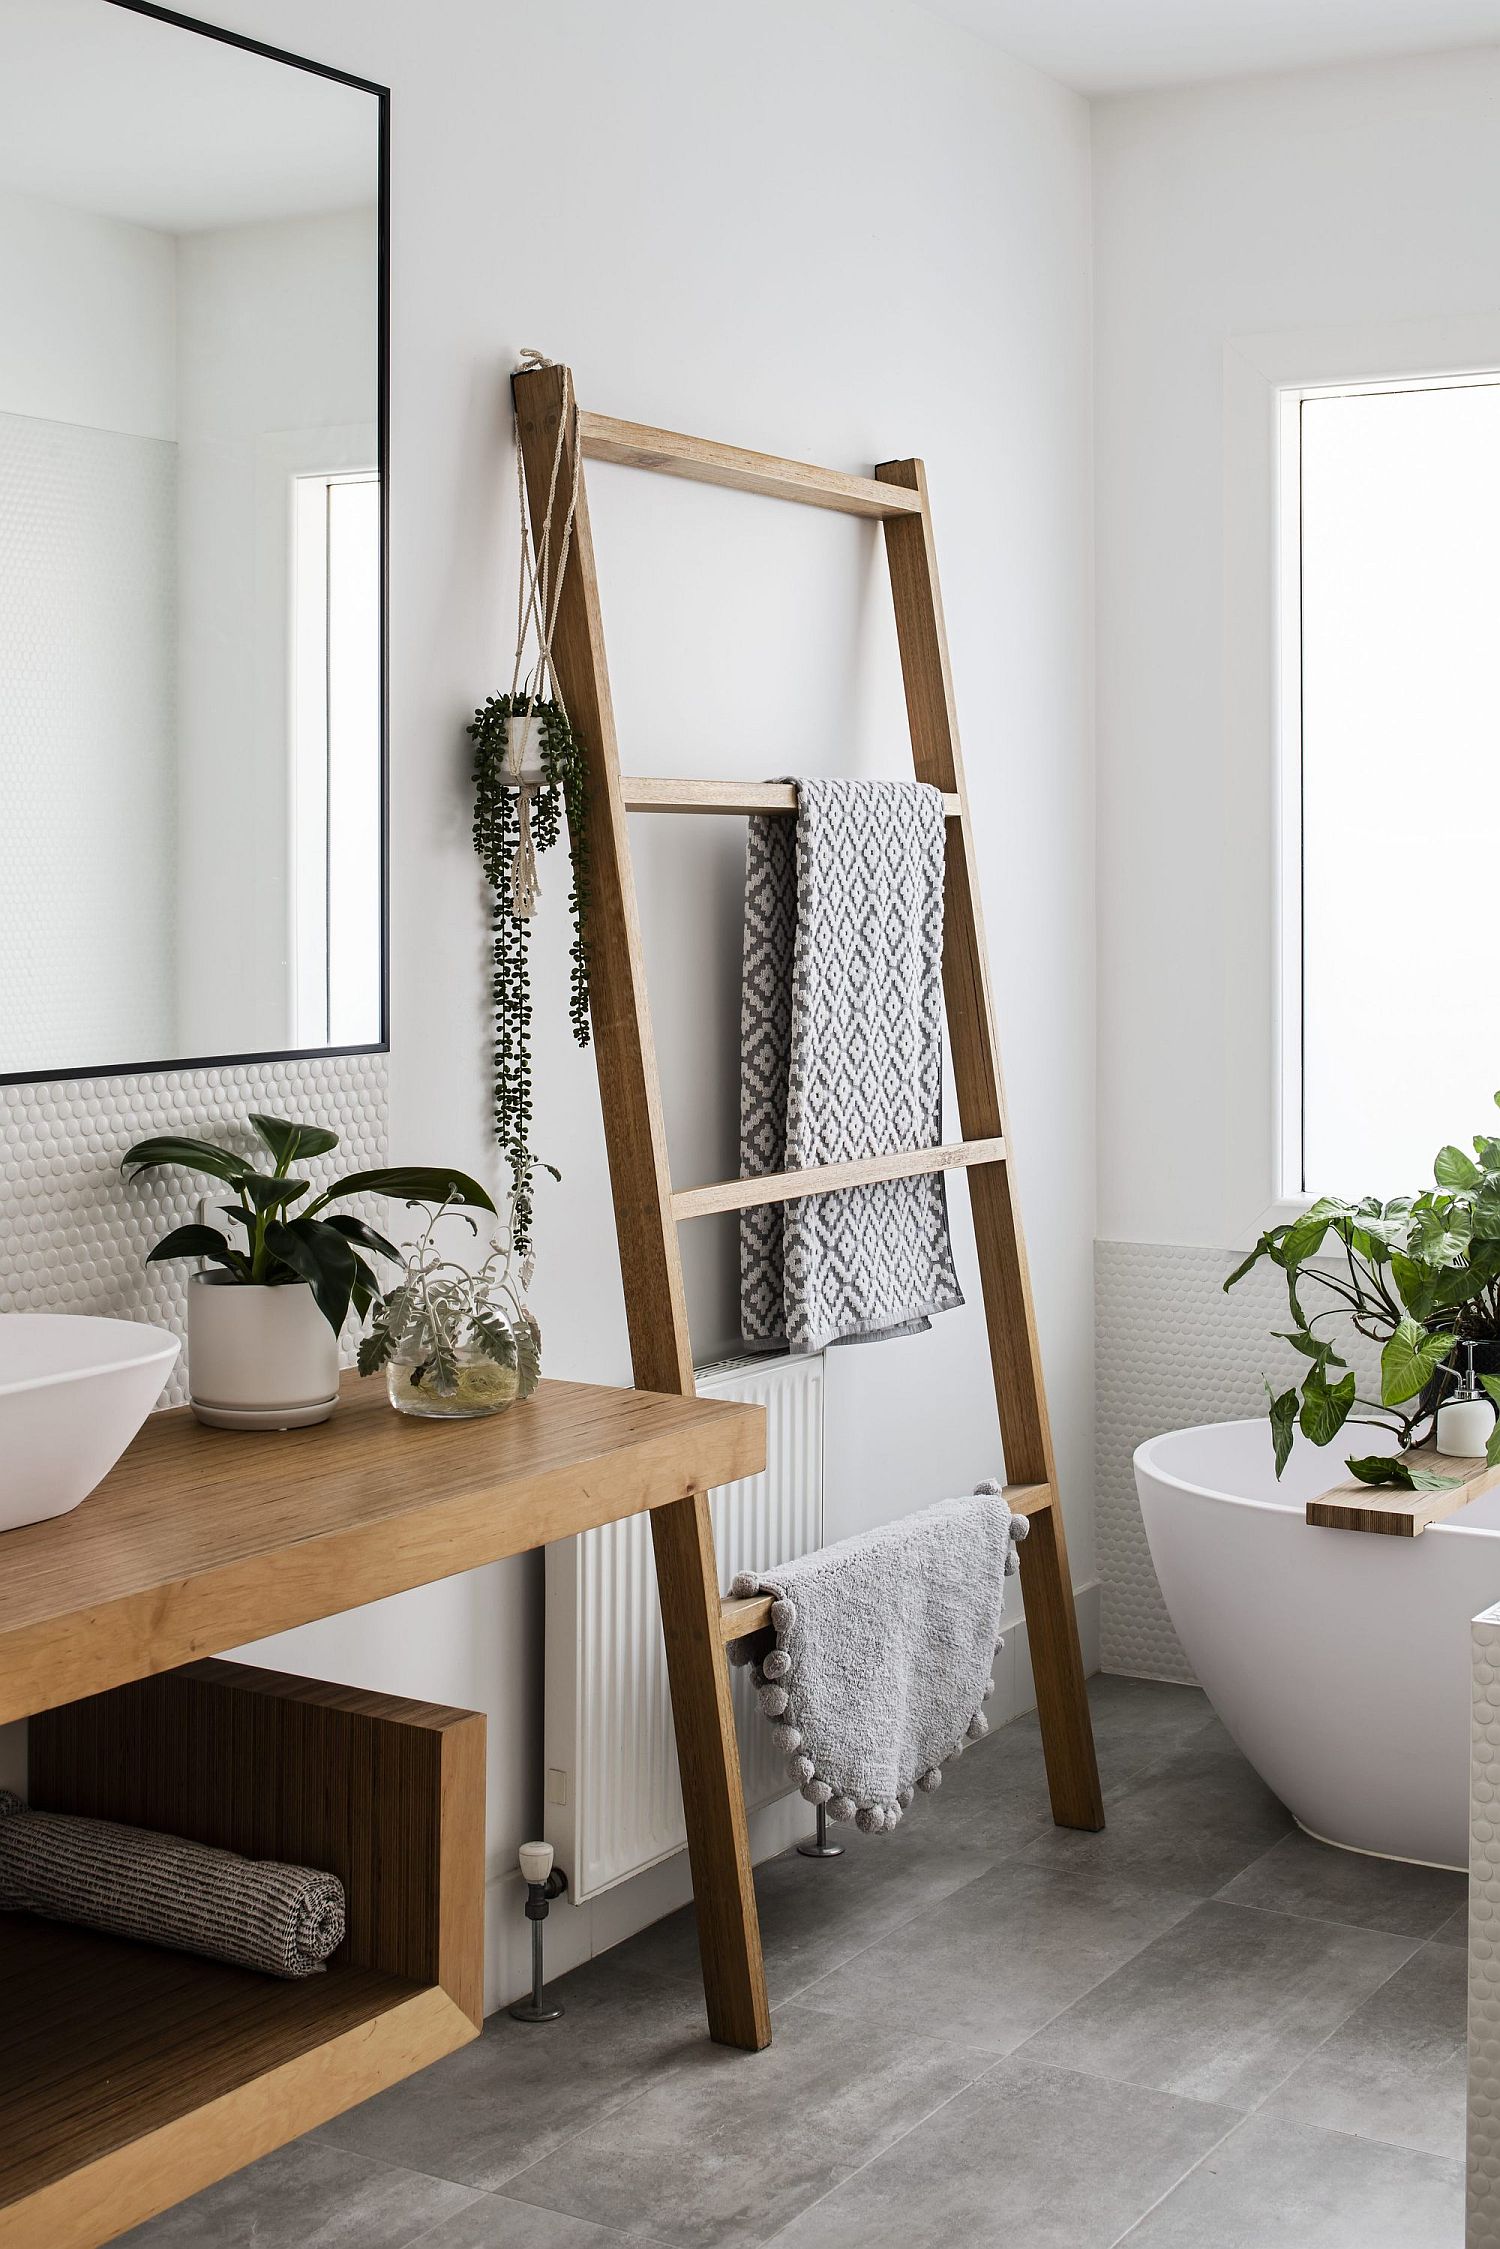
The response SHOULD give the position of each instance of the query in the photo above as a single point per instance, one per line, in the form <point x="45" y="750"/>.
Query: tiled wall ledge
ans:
<point x="1172" y="1350"/>
<point x="74" y="1235"/>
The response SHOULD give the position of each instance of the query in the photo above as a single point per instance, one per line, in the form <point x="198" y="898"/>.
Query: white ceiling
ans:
<point x="121" y="114"/>
<point x="1119" y="46"/>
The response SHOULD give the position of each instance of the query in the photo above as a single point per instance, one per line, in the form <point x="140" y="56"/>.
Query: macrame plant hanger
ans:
<point x="527" y="769"/>
<point x="555" y="437"/>
<point x="530" y="686"/>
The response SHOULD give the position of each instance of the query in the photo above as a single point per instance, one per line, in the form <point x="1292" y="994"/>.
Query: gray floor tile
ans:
<point x="1455" y="1931"/>
<point x="493" y="2221"/>
<point x="498" y="2104"/>
<point x="1274" y="2181"/>
<point x="1139" y="1721"/>
<point x="1300" y="1876"/>
<point x="1223" y="2006"/>
<point x="1196" y="1819"/>
<point x="721" y="2151"/>
<point x="815" y="1913"/>
<point x="992" y="1963"/>
<point x="307" y="2196"/>
<point x="996" y="1795"/>
<point x="1396" y="2071"/>
<point x="993" y="1798"/>
<point x="1035" y="2158"/>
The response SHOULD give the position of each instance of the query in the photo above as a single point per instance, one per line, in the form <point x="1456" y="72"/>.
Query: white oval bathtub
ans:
<point x="1339" y="1661"/>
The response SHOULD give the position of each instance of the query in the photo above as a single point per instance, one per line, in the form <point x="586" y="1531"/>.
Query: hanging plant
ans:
<point x="530" y="771"/>
<point x="514" y="822"/>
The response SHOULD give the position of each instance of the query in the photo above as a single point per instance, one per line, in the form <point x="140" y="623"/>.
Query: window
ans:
<point x="1391" y="807"/>
<point x="335" y="759"/>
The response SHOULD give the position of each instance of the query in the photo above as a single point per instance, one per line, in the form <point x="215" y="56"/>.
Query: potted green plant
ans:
<point x="264" y="1321"/>
<point x="455" y="1342"/>
<point x="1418" y="1276"/>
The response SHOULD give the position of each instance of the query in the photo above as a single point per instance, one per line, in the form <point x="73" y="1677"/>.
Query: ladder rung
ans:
<point x="827" y="1179"/>
<point x="633" y="445"/>
<point x="740" y="1617"/>
<point x="644" y="792"/>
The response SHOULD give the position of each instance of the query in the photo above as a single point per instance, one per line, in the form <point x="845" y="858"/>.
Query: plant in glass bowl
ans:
<point x="455" y="1341"/>
<point x="1419" y="1276"/>
<point x="264" y="1321"/>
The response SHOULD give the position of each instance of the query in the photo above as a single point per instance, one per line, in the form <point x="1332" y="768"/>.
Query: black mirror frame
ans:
<point x="382" y="1044"/>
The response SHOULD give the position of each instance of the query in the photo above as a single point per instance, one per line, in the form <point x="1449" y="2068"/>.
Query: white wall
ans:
<point x="1291" y="224"/>
<point x="1328" y="200"/>
<point x="837" y="230"/>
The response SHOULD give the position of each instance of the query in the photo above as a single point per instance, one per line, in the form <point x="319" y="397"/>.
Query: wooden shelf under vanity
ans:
<point x="130" y="2077"/>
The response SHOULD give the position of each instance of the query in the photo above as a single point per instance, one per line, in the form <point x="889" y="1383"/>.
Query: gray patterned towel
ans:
<point x="883" y="1647"/>
<point x="841" y="1027"/>
<point x="161" y="1889"/>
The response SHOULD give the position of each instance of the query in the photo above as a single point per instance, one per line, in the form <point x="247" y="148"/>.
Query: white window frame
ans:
<point x="308" y="786"/>
<point x="1265" y="380"/>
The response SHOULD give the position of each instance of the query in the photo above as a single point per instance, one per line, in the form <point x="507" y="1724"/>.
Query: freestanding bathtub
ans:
<point x="1339" y="1661"/>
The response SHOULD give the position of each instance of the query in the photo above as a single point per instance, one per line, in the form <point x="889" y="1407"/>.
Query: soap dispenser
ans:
<point x="1465" y="1422"/>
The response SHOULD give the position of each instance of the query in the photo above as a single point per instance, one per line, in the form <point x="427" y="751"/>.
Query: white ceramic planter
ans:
<point x="259" y="1358"/>
<point x="523" y="760"/>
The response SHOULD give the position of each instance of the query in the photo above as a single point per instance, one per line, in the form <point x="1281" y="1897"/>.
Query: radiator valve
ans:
<point x="544" y="1882"/>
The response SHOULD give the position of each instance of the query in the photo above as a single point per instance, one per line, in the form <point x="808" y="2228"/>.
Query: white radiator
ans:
<point x="614" y="1802"/>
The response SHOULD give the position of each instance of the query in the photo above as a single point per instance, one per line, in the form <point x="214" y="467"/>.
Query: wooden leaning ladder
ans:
<point x="648" y="1211"/>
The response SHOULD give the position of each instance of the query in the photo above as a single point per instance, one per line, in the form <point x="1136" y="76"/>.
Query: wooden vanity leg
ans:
<point x="734" y="1978"/>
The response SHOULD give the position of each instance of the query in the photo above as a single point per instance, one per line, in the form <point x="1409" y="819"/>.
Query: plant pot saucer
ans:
<point x="264" y="1417"/>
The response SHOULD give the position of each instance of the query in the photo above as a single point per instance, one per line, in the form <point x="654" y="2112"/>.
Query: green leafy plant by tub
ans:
<point x="272" y="1242"/>
<point x="1417" y="1275"/>
<point x="498" y="818"/>
<point x="454" y="1339"/>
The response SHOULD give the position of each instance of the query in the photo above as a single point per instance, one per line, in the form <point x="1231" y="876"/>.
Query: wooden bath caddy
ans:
<point x="1354" y="1506"/>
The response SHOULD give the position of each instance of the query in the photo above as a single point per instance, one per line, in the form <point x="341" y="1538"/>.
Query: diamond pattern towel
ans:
<point x="162" y="1889"/>
<point x="841" y="1029"/>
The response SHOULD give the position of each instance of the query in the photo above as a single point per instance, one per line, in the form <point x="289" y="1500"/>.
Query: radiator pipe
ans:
<point x="821" y="1848"/>
<point x="544" y="1882"/>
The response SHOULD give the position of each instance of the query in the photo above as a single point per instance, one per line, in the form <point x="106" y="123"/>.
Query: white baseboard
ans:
<point x="575" y="1934"/>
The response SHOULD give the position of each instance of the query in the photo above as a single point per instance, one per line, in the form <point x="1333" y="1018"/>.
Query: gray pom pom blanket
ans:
<point x="882" y="1652"/>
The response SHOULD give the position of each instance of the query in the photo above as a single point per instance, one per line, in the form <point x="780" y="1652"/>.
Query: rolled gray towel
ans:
<point x="164" y="1890"/>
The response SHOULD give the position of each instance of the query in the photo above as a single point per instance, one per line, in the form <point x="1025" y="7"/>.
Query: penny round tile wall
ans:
<point x="74" y="1235"/>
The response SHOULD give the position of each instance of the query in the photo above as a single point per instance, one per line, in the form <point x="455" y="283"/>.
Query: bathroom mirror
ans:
<point x="192" y="546"/>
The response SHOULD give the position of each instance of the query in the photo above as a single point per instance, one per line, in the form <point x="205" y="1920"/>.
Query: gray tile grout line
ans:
<point x="1136" y="2223"/>
<point x="1316" y="1920"/>
<point x="1080" y="2069"/>
<point x="891" y="2145"/>
<point x="606" y="2233"/>
<point x="1332" y="2131"/>
<point x="951" y="2045"/>
<point x="1271" y="2091"/>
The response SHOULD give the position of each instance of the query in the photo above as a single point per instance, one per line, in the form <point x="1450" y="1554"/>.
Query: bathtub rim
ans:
<point x="1140" y="1459"/>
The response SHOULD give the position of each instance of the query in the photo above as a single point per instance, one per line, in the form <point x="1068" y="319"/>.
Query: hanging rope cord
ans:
<point x="536" y="575"/>
<point x="534" y="615"/>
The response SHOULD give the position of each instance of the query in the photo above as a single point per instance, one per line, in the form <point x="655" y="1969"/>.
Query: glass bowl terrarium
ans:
<point x="455" y="1341"/>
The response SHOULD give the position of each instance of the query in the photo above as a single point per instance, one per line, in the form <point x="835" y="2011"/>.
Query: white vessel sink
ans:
<point x="73" y="1392"/>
